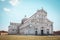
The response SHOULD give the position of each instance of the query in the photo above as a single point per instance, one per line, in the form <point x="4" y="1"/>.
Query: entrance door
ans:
<point x="35" y="32"/>
<point x="42" y="32"/>
<point x="47" y="32"/>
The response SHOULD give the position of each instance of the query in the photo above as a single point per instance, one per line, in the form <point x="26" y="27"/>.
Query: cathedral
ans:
<point x="37" y="24"/>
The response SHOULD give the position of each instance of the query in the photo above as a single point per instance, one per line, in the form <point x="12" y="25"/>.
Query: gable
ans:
<point x="39" y="16"/>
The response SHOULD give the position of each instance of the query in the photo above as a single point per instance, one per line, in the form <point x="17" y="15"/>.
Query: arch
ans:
<point x="42" y="32"/>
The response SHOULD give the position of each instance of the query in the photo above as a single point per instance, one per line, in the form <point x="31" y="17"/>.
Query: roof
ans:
<point x="3" y="32"/>
<point x="41" y="10"/>
<point x="57" y="32"/>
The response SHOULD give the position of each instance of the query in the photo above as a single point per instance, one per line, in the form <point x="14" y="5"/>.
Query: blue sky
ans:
<point x="15" y="10"/>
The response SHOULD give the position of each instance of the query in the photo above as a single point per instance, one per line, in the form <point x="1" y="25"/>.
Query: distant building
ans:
<point x="3" y="33"/>
<point x="37" y="24"/>
<point x="56" y="33"/>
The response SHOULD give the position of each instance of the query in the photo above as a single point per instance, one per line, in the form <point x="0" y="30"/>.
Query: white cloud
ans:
<point x="6" y="9"/>
<point x="14" y="2"/>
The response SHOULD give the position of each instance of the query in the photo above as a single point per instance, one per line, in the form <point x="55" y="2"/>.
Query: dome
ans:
<point x="24" y="19"/>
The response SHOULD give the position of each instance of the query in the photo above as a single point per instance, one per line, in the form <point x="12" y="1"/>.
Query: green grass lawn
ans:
<point x="21" y="37"/>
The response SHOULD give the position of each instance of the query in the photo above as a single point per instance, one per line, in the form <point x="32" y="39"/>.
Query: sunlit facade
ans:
<point x="37" y="24"/>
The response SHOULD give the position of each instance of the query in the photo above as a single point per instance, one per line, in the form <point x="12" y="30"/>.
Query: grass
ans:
<point x="21" y="37"/>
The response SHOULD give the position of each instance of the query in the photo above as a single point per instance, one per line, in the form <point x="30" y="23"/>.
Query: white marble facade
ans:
<point x="37" y="24"/>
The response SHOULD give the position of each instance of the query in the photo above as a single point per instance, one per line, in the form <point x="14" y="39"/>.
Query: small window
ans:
<point x="51" y="25"/>
<point x="22" y="22"/>
<point x="12" y="29"/>
<point x="47" y="31"/>
<point x="36" y="29"/>
<point x="42" y="28"/>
